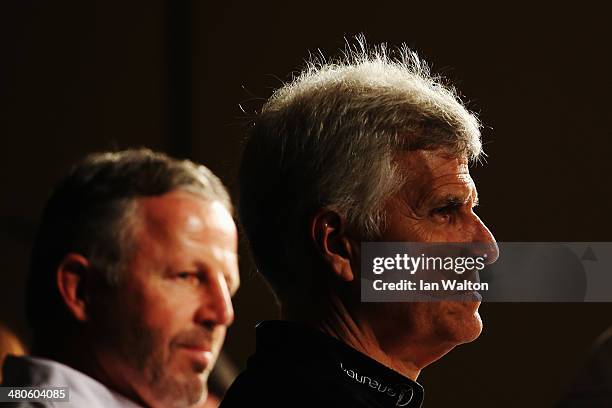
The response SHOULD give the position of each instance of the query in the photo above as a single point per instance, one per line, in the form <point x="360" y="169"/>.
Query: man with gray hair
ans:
<point x="369" y="147"/>
<point x="129" y="292"/>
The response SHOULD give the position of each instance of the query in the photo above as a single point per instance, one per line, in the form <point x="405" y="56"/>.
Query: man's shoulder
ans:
<point x="293" y="388"/>
<point x="41" y="373"/>
<point x="296" y="388"/>
<point x="298" y="366"/>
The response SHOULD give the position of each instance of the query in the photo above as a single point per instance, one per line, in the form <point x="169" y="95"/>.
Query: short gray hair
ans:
<point x="91" y="212"/>
<point x="327" y="139"/>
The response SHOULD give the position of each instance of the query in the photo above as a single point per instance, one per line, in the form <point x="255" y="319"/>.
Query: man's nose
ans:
<point x="485" y="241"/>
<point x="216" y="303"/>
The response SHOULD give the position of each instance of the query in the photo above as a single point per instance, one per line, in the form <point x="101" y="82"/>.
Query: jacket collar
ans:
<point x="311" y="350"/>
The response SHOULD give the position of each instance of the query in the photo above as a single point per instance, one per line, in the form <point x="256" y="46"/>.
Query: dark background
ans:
<point x="84" y="76"/>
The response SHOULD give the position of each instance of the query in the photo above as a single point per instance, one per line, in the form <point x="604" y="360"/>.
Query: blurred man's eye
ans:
<point x="193" y="278"/>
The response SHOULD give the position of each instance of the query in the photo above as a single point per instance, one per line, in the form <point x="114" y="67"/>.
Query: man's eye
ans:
<point x="189" y="277"/>
<point x="443" y="210"/>
<point x="444" y="213"/>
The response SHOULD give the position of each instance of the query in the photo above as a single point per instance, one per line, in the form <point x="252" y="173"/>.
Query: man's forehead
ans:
<point x="184" y="213"/>
<point x="432" y="164"/>
<point x="435" y="174"/>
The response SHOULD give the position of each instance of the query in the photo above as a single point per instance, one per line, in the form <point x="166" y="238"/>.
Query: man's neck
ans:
<point x="333" y="318"/>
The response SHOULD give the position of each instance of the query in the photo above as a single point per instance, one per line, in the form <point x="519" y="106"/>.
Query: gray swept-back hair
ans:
<point x="327" y="139"/>
<point x="92" y="211"/>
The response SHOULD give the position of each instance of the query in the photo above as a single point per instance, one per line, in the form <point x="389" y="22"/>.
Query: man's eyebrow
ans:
<point x="455" y="199"/>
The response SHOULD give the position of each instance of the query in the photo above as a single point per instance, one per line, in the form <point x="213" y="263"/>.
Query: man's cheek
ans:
<point x="160" y="307"/>
<point x="163" y="327"/>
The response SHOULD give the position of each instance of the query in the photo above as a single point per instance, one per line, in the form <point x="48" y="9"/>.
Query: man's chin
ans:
<point x="180" y="384"/>
<point x="477" y="325"/>
<point x="463" y="321"/>
<point x="185" y="394"/>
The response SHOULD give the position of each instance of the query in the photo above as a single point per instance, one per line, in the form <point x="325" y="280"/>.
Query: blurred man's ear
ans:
<point x="328" y="231"/>
<point x="72" y="274"/>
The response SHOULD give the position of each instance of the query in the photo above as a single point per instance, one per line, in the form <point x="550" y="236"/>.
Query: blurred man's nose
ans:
<point x="216" y="303"/>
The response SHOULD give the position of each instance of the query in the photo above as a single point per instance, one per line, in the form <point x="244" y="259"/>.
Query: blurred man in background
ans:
<point x="129" y="293"/>
<point x="364" y="148"/>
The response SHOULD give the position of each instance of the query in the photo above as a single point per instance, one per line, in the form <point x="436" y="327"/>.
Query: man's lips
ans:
<point x="202" y="354"/>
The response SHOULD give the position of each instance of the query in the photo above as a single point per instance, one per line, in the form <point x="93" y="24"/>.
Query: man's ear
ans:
<point x="72" y="276"/>
<point x="328" y="231"/>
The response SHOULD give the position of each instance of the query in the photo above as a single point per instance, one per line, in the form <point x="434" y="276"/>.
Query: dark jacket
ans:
<point x="297" y="366"/>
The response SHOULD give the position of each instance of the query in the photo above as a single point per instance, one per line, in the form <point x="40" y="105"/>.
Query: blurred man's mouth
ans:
<point x="202" y="355"/>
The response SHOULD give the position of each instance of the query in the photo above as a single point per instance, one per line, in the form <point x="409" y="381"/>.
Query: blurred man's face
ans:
<point x="436" y="204"/>
<point x="171" y="312"/>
